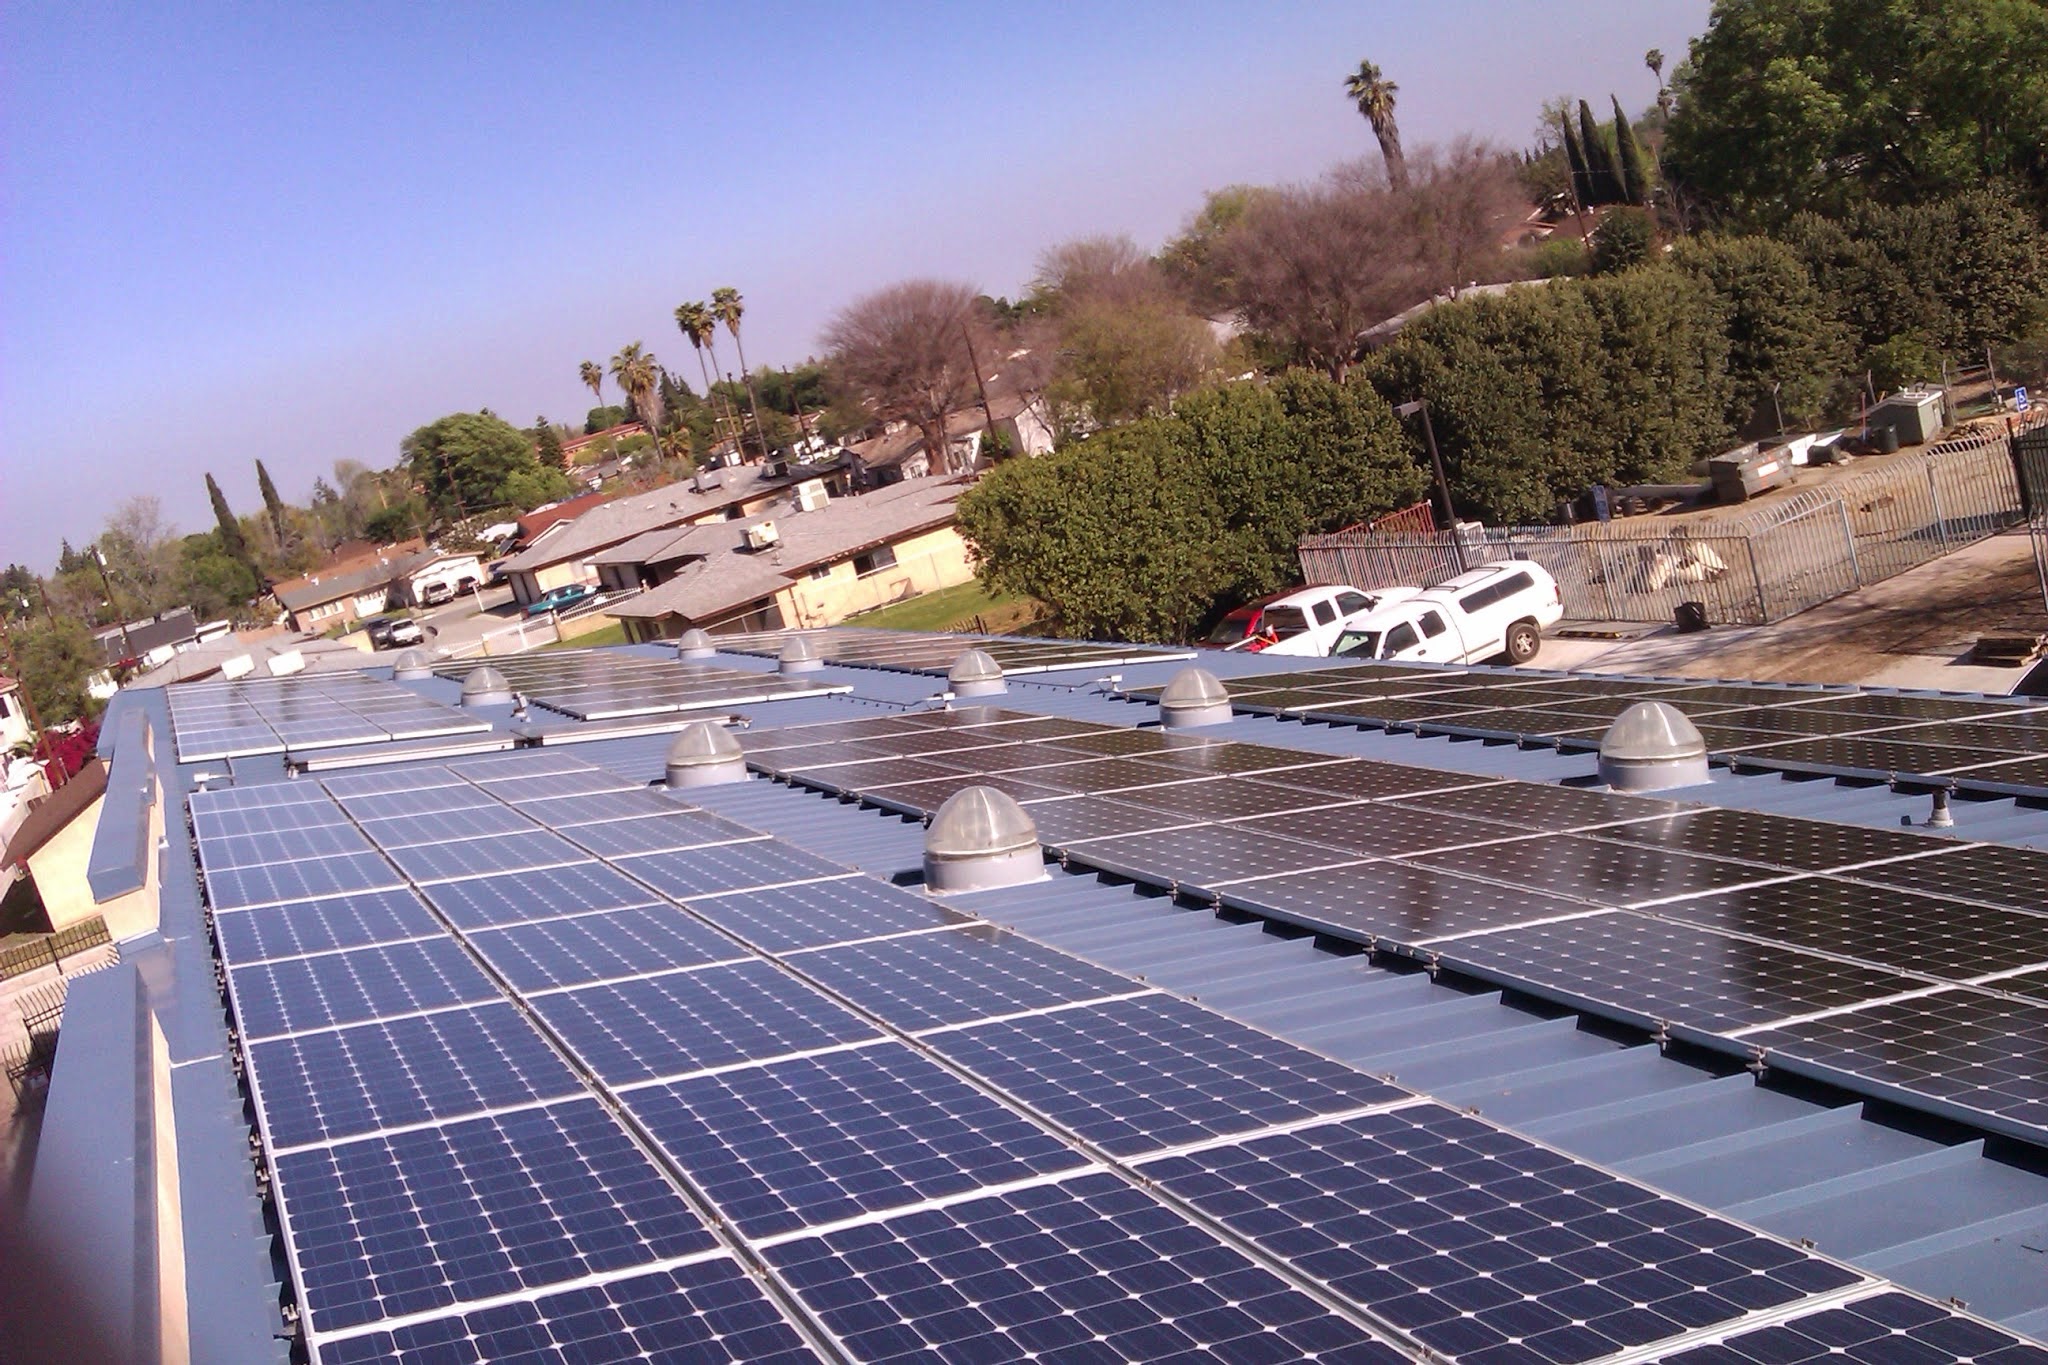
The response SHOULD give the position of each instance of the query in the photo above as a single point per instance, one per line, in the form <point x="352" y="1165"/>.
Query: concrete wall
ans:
<point x="59" y="870"/>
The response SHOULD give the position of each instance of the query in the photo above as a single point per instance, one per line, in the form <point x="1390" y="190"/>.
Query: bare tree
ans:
<point x="903" y="350"/>
<point x="1314" y="266"/>
<point x="1126" y="340"/>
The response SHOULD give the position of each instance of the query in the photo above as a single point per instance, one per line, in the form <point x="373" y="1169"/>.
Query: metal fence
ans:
<point x="50" y="950"/>
<point x="1745" y="567"/>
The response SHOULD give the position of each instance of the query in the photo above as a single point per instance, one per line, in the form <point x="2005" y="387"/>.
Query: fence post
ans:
<point x="1934" y="492"/>
<point x="1763" y="610"/>
<point x="1849" y="539"/>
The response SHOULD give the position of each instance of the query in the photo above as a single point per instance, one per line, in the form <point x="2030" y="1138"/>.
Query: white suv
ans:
<point x="1307" y="622"/>
<point x="1500" y="609"/>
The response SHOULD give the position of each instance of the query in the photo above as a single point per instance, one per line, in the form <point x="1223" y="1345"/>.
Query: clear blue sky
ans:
<point x="299" y="231"/>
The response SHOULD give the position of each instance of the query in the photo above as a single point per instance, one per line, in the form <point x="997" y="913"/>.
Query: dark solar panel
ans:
<point x="1233" y="798"/>
<point x="1484" y="1245"/>
<point x="1802" y="845"/>
<point x="1370" y="830"/>
<point x="1534" y="806"/>
<point x="1064" y="820"/>
<point x="479" y="902"/>
<point x="301" y="993"/>
<point x="1596" y="870"/>
<point x="1393" y="904"/>
<point x="1961" y="1047"/>
<point x="486" y="857"/>
<point x="815" y="1140"/>
<point x="307" y="879"/>
<point x="728" y="867"/>
<point x="1999" y="875"/>
<point x="1395" y="711"/>
<point x="657" y="834"/>
<point x="1653" y="970"/>
<point x="1908" y="708"/>
<point x="1088" y="1269"/>
<point x="810" y="914"/>
<point x="1520" y="721"/>
<point x="420" y="1220"/>
<point x="927" y="796"/>
<point x="382" y="1074"/>
<point x="708" y="1311"/>
<point x="1138" y="1075"/>
<point x="687" y="1021"/>
<point x="441" y="826"/>
<point x="1874" y="754"/>
<point x="600" y="946"/>
<point x="1366" y="779"/>
<point x="1203" y="855"/>
<point x="1924" y="934"/>
<point x="300" y="927"/>
<point x="929" y="980"/>
<point x="1885" y="1329"/>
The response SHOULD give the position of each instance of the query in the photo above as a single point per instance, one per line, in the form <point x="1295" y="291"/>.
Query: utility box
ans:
<point x="1742" y="474"/>
<point x="1917" y="415"/>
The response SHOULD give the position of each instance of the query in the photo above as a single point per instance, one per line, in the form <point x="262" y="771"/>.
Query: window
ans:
<point x="1497" y="591"/>
<point x="6" y="708"/>
<point x="1432" y="624"/>
<point x="1357" y="644"/>
<point x="874" y="561"/>
<point x="1351" y="603"/>
<point x="819" y="571"/>
<point x="1326" y="612"/>
<point x="1283" y="622"/>
<point x="1401" y="637"/>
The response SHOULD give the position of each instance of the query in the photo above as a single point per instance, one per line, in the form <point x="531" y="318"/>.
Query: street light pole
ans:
<point x="1436" y="465"/>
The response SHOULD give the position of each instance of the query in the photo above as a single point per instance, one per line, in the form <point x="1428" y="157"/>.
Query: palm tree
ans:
<point x="699" y="326"/>
<point x="593" y="375"/>
<point x="1654" y="59"/>
<point x="634" y="369"/>
<point x="1374" y="94"/>
<point x="728" y="307"/>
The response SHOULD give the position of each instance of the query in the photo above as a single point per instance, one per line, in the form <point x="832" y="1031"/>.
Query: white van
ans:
<point x="1500" y="609"/>
<point x="1306" y="622"/>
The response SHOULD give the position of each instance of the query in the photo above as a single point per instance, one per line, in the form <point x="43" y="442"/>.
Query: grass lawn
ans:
<point x="613" y="634"/>
<point x="956" y="608"/>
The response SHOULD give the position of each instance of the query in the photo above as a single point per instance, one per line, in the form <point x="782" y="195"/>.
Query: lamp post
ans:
<point x="1436" y="465"/>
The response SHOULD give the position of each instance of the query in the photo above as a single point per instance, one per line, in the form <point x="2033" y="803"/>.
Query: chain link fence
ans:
<point x="1744" y="567"/>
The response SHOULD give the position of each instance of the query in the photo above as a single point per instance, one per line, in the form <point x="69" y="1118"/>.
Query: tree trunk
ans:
<point x="747" y="378"/>
<point x="936" y="449"/>
<point x="1390" y="151"/>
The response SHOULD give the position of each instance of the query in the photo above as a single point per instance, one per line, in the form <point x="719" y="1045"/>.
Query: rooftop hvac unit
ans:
<point x="811" y="495"/>
<point x="763" y="536"/>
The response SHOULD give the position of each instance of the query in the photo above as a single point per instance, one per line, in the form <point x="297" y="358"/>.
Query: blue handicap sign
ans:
<point x="2020" y="401"/>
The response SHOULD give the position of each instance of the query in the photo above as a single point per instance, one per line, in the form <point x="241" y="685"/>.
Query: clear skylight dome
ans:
<point x="1652" y="745"/>
<point x="485" y="686"/>
<point x="701" y="742"/>
<point x="979" y="822"/>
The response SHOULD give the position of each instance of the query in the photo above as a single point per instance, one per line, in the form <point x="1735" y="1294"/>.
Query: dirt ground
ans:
<point x="1914" y="630"/>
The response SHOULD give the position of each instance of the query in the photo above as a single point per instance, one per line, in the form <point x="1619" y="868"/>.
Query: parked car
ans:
<point x="394" y="632"/>
<point x="497" y="573"/>
<point x="1306" y="622"/>
<point x="560" y="599"/>
<point x="1499" y="610"/>
<point x="434" y="594"/>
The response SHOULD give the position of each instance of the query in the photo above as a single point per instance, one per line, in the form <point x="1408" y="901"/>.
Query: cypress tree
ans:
<point x="1582" y="184"/>
<point x="273" y="505"/>
<point x="230" y="529"/>
<point x="1635" y="167"/>
<point x="1606" y="184"/>
<point x="550" y="452"/>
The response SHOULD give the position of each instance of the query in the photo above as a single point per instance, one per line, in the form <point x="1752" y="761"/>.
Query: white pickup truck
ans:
<point x="1307" y="622"/>
<point x="1501" y="609"/>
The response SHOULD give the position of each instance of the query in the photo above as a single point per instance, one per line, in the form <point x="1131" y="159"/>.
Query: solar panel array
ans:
<point x="591" y="684"/>
<point x="215" y="720"/>
<point x="1989" y="744"/>
<point x="1893" y="962"/>
<point x="912" y="651"/>
<point x="519" y="1109"/>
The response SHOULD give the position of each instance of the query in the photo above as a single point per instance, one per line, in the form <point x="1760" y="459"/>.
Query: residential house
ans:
<point x="812" y="561"/>
<point x="435" y="568"/>
<point x="148" y="642"/>
<point x="593" y="447"/>
<point x="47" y="849"/>
<point x="14" y="729"/>
<point x="561" y="552"/>
<point x="899" y="453"/>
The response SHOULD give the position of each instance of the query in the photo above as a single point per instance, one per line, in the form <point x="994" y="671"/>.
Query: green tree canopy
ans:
<point x="214" y="582"/>
<point x="56" y="658"/>
<point x="1791" y="105"/>
<point x="469" y="462"/>
<point x="1781" y="329"/>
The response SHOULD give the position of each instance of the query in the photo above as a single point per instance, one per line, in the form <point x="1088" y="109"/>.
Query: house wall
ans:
<point x="925" y="562"/>
<point x="451" y="572"/>
<point x="13" y="720"/>
<point x="59" y="870"/>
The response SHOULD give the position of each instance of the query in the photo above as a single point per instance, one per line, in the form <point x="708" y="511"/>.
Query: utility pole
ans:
<point x="987" y="416"/>
<point x="127" y="646"/>
<point x="1436" y="464"/>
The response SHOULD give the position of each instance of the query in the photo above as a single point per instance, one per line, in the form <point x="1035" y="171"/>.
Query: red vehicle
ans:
<point x="1238" y="625"/>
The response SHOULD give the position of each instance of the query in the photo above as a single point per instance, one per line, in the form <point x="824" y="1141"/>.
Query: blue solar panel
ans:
<point x="814" y="1140"/>
<point x="211" y="823"/>
<point x="434" y="827"/>
<point x="308" y="879"/>
<point x="1139" y="1075"/>
<point x="222" y="851"/>
<point x="397" y="780"/>
<point x="421" y="801"/>
<point x="687" y="1021"/>
<point x="816" y="913"/>
<point x="351" y="1081"/>
<point x="729" y="867"/>
<point x="519" y="896"/>
<point x="1089" y="1269"/>
<point x="607" y="944"/>
<point x="658" y="834"/>
<point x="1885" y="1329"/>
<point x="486" y="857"/>
<point x="928" y="980"/>
<point x="300" y="927"/>
<point x="1477" y="1241"/>
<point x="708" y="1311"/>
<point x="549" y="785"/>
<point x="261" y="796"/>
<point x="566" y="812"/>
<point x="422" y="1220"/>
<point x="346" y="988"/>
